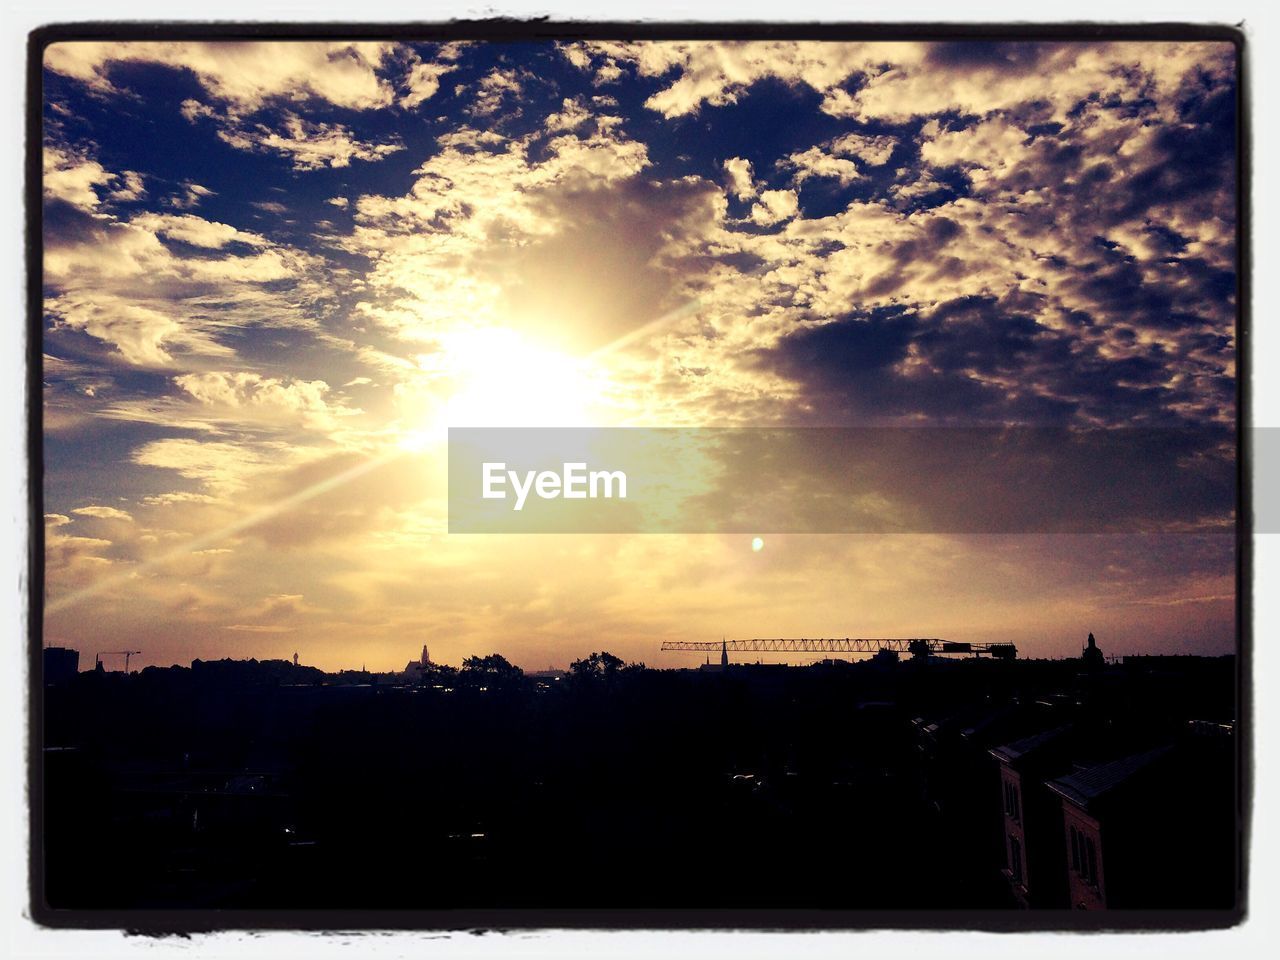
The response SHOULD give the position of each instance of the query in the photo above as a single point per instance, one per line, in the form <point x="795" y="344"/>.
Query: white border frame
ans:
<point x="23" y="938"/>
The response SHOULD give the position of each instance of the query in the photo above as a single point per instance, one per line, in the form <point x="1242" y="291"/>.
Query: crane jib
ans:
<point x="913" y="645"/>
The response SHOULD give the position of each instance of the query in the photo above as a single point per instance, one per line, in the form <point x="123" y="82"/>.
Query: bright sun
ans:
<point x="499" y="378"/>
<point x="507" y="381"/>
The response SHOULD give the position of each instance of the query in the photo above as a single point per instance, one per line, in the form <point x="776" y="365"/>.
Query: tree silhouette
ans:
<point x="493" y="671"/>
<point x="601" y="669"/>
<point x="439" y="674"/>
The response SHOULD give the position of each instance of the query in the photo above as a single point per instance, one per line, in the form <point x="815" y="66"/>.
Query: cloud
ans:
<point x="249" y="399"/>
<point x="925" y="480"/>
<point x="589" y="58"/>
<point x="741" y="182"/>
<point x="1006" y="269"/>
<point x="72" y="561"/>
<point x="475" y="230"/>
<point x="874" y="151"/>
<point x="244" y="75"/>
<point x="308" y="145"/>
<point x="980" y="78"/>
<point x="180" y="497"/>
<point x="103" y="513"/>
<point x="131" y="188"/>
<point x="221" y="468"/>
<point x="142" y="336"/>
<point x="774" y="207"/>
<point x="75" y="179"/>
<point x="248" y="407"/>
<point x="423" y="79"/>
<point x="193" y="110"/>
<point x="815" y="163"/>
<point x="196" y="231"/>
<point x="276" y="613"/>
<point x="190" y="196"/>
<point x="944" y="237"/>
<point x="897" y="81"/>
<point x="573" y="115"/>
<point x="153" y="286"/>
<point x="830" y="160"/>
<point x="494" y="90"/>
<point x="719" y="73"/>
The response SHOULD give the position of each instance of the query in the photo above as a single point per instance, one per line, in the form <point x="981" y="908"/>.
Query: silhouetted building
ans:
<point x="417" y="669"/>
<point x="955" y="781"/>
<point x="1150" y="829"/>
<point x="720" y="667"/>
<point x="1080" y="792"/>
<point x="1092" y="656"/>
<point x="1032" y="816"/>
<point x="61" y="664"/>
<point x="268" y="785"/>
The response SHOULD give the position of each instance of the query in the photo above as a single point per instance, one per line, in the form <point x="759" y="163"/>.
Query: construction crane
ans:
<point x="917" y="646"/>
<point x="117" y="653"/>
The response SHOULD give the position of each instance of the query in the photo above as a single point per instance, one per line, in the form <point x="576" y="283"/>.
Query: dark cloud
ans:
<point x="975" y="359"/>
<point x="1011" y="57"/>
<point x="969" y="480"/>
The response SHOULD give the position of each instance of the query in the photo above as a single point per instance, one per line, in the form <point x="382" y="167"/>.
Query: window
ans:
<point x="1011" y="798"/>
<point x="1084" y="856"/>
<point x="1015" y="859"/>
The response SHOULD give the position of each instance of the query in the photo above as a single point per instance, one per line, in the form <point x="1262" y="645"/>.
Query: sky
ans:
<point x="276" y="273"/>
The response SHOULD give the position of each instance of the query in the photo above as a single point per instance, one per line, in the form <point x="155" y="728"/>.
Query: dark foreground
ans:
<point x="866" y="786"/>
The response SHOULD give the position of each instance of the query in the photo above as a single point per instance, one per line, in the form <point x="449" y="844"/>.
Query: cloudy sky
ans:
<point x="276" y="272"/>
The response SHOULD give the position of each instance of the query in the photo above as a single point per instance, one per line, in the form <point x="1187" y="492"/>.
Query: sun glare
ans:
<point x="507" y="381"/>
<point x="497" y="377"/>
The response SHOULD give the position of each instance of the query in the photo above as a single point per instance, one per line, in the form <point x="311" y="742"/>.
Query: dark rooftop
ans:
<point x="1028" y="745"/>
<point x="1088" y="785"/>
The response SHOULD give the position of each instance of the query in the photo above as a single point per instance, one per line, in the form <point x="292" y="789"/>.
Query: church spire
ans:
<point x="1092" y="655"/>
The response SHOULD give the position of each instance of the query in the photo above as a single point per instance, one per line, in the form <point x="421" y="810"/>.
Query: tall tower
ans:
<point x="426" y="659"/>
<point x="724" y="654"/>
<point x="1092" y="655"/>
<point x="295" y="658"/>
